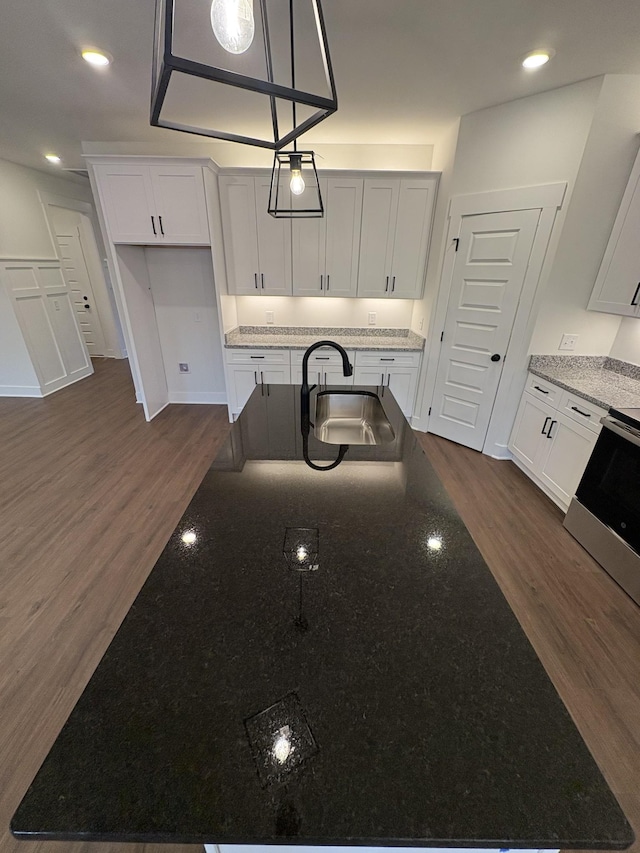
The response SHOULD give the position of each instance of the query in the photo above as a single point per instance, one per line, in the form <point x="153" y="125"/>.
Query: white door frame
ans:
<point x="105" y="302"/>
<point x="547" y="198"/>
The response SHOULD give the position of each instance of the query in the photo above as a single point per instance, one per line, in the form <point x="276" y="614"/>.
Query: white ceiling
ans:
<point x="405" y="69"/>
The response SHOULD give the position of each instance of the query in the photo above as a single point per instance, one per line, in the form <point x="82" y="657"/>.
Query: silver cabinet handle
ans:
<point x="321" y="277"/>
<point x="262" y="279"/>
<point x="393" y="284"/>
<point x="386" y="287"/>
<point x="255" y="278"/>
<point x="153" y="225"/>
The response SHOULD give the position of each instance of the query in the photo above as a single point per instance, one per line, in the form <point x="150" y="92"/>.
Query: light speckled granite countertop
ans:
<point x="300" y="337"/>
<point x="601" y="380"/>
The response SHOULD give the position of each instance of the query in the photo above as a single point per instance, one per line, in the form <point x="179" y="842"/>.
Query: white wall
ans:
<point x="608" y="157"/>
<point x="24" y="233"/>
<point x="17" y="375"/>
<point x="626" y="346"/>
<point x="181" y="281"/>
<point x="323" y="311"/>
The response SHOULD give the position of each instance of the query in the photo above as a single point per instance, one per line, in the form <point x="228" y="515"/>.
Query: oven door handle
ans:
<point x="627" y="434"/>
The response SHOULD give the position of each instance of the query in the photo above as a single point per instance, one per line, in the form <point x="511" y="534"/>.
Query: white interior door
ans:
<point x="488" y="274"/>
<point x="76" y="275"/>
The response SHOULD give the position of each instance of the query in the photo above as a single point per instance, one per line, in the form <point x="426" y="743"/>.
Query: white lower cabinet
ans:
<point x="249" y="368"/>
<point x="552" y="442"/>
<point x="325" y="367"/>
<point x="397" y="371"/>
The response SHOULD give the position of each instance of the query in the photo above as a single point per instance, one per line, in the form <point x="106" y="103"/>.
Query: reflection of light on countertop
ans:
<point x="434" y="543"/>
<point x="282" y="747"/>
<point x="301" y="553"/>
<point x="189" y="537"/>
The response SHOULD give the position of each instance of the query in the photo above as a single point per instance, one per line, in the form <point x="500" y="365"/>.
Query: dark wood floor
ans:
<point x="89" y="494"/>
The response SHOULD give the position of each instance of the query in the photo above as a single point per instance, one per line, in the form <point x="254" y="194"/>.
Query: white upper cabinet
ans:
<point x="154" y="204"/>
<point x="326" y="250"/>
<point x="617" y="287"/>
<point x="257" y="246"/>
<point x="396" y="229"/>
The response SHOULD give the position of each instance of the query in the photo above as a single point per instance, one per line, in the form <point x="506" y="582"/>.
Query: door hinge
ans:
<point x="441" y="336"/>
<point x="456" y="240"/>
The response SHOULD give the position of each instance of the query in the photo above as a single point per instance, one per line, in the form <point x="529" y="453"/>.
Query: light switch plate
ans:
<point x="269" y="315"/>
<point x="568" y="342"/>
<point x="372" y="318"/>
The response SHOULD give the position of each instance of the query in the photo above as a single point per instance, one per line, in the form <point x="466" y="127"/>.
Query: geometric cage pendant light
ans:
<point x="226" y="73"/>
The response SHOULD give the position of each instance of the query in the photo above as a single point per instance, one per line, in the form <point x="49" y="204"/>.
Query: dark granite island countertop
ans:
<point x="389" y="697"/>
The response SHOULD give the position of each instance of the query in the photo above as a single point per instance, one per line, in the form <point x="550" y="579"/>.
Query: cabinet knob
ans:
<point x="495" y="357"/>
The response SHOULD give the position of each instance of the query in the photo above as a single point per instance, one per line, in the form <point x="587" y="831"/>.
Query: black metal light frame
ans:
<point x="165" y="62"/>
<point x="280" y="208"/>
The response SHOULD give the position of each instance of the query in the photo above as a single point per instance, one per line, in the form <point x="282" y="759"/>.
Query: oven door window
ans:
<point x="610" y="486"/>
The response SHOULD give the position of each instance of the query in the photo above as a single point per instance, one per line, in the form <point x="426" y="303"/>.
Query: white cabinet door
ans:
<point x="617" y="287"/>
<point x="369" y="376"/>
<point x="274" y="246"/>
<point x="411" y="240"/>
<point x="379" y="213"/>
<point x="271" y="374"/>
<point x="243" y="379"/>
<point x="127" y="198"/>
<point x="238" y="203"/>
<point x="308" y="238"/>
<point x="403" y="382"/>
<point x="565" y="454"/>
<point x="180" y="204"/>
<point x="529" y="430"/>
<point x="343" y="217"/>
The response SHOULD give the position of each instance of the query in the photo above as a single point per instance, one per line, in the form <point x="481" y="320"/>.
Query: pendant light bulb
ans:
<point x="233" y="24"/>
<point x="297" y="184"/>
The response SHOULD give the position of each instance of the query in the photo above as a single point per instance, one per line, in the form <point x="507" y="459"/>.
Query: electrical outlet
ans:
<point x="269" y="315"/>
<point x="183" y="367"/>
<point x="421" y="323"/>
<point x="568" y="342"/>
<point x="372" y="318"/>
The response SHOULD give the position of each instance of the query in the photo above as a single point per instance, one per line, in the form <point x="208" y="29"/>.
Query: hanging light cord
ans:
<point x="293" y="69"/>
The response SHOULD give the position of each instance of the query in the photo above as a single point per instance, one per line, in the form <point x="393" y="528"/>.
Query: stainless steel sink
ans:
<point x="351" y="417"/>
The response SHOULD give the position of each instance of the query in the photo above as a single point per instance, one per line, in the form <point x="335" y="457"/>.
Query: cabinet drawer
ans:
<point x="390" y="358"/>
<point x="323" y="355"/>
<point x="582" y="412"/>
<point x="264" y="356"/>
<point x="543" y="390"/>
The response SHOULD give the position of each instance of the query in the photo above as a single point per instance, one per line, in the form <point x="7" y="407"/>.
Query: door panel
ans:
<point x="67" y="334"/>
<point x="274" y="246"/>
<point x="491" y="264"/>
<point x="129" y="205"/>
<point x="240" y="235"/>
<point x="179" y="199"/>
<point x="308" y="249"/>
<point x="412" y="235"/>
<point x="566" y="454"/>
<point x="527" y="436"/>
<point x="38" y="331"/>
<point x="403" y="384"/>
<point x="344" y="212"/>
<point x="379" y="212"/>
<point x="76" y="275"/>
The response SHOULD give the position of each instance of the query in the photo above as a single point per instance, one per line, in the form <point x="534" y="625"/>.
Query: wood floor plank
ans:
<point x="89" y="494"/>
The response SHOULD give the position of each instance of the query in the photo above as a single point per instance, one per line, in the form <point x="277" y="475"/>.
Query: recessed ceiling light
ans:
<point x="537" y="58"/>
<point x="52" y="158"/>
<point x="96" y="57"/>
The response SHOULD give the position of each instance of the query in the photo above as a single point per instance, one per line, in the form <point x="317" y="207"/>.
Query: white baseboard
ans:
<point x="20" y="391"/>
<point x="205" y="397"/>
<point x="498" y="451"/>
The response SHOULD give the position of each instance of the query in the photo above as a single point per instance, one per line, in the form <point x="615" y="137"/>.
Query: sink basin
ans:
<point x="351" y="417"/>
